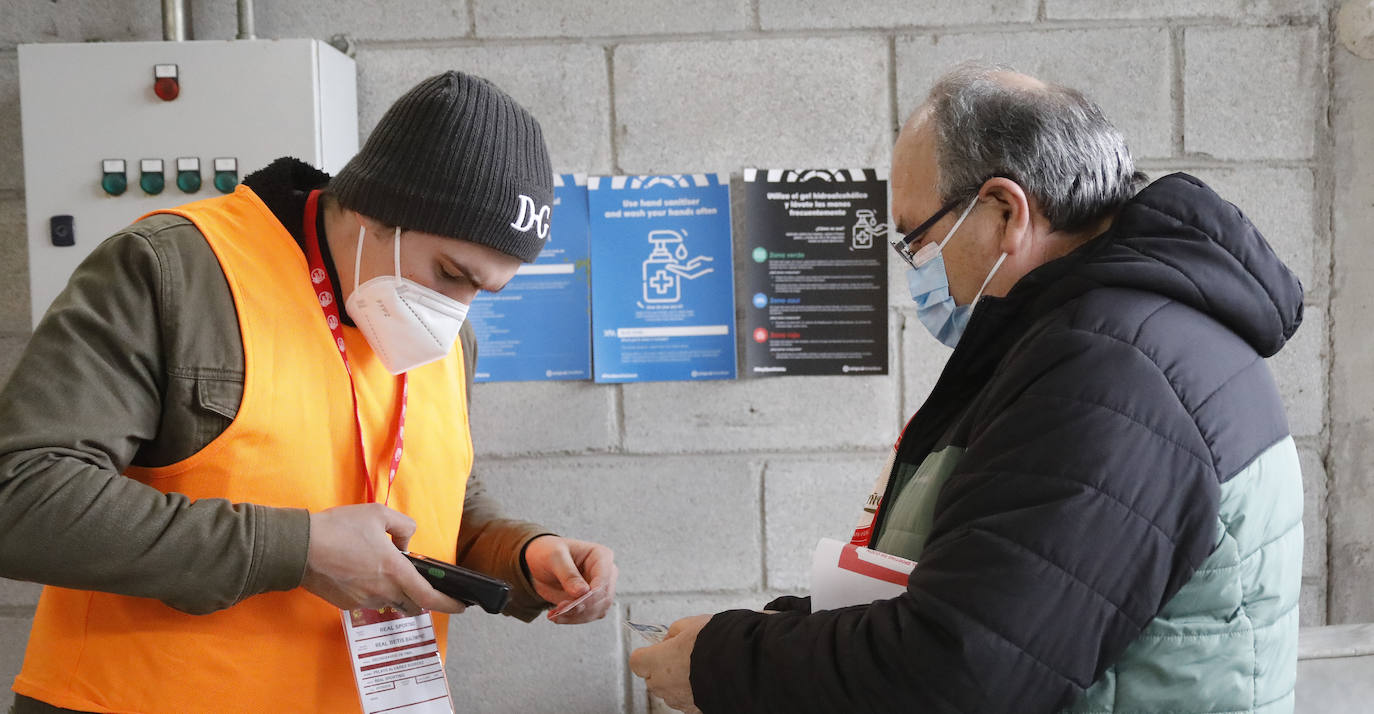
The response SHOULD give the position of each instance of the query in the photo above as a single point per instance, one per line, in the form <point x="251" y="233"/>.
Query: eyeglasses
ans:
<point x="903" y="246"/>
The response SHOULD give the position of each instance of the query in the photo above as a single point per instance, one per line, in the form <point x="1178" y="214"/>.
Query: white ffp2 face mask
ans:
<point x="406" y="323"/>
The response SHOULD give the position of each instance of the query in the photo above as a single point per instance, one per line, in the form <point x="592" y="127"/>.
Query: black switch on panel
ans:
<point x="63" y="235"/>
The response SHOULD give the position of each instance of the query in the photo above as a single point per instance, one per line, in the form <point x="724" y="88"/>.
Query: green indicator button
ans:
<point x="435" y="572"/>
<point x="152" y="184"/>
<point x="188" y="181"/>
<point x="114" y="184"/>
<point x="225" y="181"/>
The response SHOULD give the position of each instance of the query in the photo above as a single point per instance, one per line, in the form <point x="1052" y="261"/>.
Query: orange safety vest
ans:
<point x="293" y="445"/>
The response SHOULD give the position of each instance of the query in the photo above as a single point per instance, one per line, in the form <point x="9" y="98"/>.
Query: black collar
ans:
<point x="283" y="186"/>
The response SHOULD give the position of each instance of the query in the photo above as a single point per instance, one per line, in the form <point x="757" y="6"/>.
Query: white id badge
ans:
<point x="396" y="662"/>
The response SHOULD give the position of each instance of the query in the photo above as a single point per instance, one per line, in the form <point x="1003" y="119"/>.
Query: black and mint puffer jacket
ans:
<point x="1101" y="491"/>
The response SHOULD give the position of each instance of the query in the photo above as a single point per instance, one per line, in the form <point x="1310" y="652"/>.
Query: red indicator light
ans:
<point x="167" y="88"/>
<point x="166" y="82"/>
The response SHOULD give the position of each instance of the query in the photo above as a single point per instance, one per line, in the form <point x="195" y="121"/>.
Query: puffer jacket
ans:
<point x="1101" y="491"/>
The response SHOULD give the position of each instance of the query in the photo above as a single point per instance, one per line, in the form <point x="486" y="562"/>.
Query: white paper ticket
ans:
<point x="396" y="662"/>
<point x="556" y="612"/>
<point x="653" y="634"/>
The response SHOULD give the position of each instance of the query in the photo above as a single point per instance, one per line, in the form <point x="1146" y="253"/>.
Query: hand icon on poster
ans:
<point x="866" y="229"/>
<point x="665" y="269"/>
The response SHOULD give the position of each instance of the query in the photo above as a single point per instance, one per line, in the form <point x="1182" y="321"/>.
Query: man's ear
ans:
<point x="1013" y="206"/>
<point x="357" y="219"/>
<point x="375" y="228"/>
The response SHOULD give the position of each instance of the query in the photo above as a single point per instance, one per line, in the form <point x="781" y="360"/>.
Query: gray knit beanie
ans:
<point x="457" y="157"/>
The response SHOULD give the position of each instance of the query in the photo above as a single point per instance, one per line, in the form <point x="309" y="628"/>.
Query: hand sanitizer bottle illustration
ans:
<point x="864" y="229"/>
<point x="660" y="284"/>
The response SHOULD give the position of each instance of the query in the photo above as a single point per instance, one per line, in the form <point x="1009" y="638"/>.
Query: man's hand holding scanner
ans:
<point x="352" y="563"/>
<point x="563" y="570"/>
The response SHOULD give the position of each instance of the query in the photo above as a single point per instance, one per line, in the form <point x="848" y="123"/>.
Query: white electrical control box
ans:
<point x="112" y="131"/>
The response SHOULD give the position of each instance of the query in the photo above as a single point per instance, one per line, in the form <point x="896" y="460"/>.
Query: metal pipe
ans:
<point x="246" y="20"/>
<point x="176" y="21"/>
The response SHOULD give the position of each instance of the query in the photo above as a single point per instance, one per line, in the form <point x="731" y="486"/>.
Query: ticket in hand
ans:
<point x="653" y="634"/>
<point x="553" y="615"/>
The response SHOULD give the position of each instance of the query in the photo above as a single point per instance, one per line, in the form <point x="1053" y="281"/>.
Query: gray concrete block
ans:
<point x="716" y="106"/>
<point x="14" y="268"/>
<point x="1128" y="72"/>
<point x="360" y="19"/>
<point x="1352" y="293"/>
<point x="1355" y="640"/>
<point x="11" y="138"/>
<point x="1300" y="370"/>
<point x="563" y="86"/>
<point x="600" y="18"/>
<point x="1227" y="10"/>
<point x="1251" y="93"/>
<point x="25" y="21"/>
<point x="799" y="14"/>
<point x="1312" y="602"/>
<point x="1352" y="301"/>
<point x="677" y="524"/>
<point x="806" y="500"/>
<point x="1314" y="519"/>
<point x="512" y="418"/>
<point x="1334" y="684"/>
<point x="666" y="611"/>
<point x="1350" y="599"/>
<point x="18" y="593"/>
<point x="14" y="635"/>
<point x="1351" y="549"/>
<point x="499" y="665"/>
<point x="923" y="358"/>
<point x="1282" y="205"/>
<point x="783" y="413"/>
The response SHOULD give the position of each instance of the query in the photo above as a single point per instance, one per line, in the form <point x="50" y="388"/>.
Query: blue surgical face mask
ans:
<point x="929" y="285"/>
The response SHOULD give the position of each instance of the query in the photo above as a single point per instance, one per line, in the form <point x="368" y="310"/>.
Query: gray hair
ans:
<point x="1052" y="141"/>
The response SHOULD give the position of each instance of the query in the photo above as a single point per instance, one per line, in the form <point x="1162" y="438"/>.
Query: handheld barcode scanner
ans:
<point x="466" y="586"/>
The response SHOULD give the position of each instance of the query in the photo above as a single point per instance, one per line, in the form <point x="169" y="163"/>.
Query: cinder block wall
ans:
<point x="713" y="494"/>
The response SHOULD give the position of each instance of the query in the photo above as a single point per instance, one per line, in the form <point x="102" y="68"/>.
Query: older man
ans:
<point x="1101" y="490"/>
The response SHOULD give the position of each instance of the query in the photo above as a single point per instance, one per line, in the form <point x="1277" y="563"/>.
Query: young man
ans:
<point x="240" y="412"/>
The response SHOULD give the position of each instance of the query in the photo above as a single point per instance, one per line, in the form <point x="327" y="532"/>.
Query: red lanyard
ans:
<point x="319" y="277"/>
<point x="863" y="534"/>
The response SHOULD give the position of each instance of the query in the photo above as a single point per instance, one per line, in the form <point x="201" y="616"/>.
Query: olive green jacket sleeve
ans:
<point x="139" y="362"/>
<point x="488" y="542"/>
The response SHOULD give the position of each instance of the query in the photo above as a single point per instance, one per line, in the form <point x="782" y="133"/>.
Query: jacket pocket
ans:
<point x="195" y="411"/>
<point x="216" y="405"/>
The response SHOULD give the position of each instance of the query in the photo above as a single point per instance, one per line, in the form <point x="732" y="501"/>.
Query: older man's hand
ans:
<point x="666" y="667"/>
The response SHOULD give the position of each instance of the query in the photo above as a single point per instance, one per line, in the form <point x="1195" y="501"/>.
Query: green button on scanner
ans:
<point x="435" y="572"/>
<point x="113" y="179"/>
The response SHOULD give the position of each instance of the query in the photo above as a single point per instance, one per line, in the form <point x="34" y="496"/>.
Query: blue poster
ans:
<point x="538" y="327"/>
<point x="663" y="288"/>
